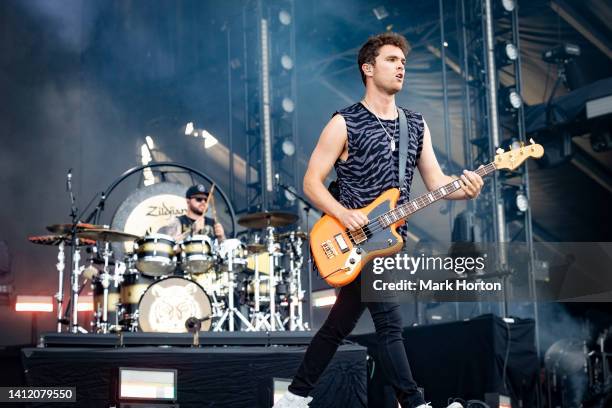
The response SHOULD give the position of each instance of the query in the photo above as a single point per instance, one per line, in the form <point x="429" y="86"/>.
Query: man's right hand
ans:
<point x="352" y="219"/>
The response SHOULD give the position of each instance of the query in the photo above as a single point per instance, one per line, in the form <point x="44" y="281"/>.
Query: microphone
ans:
<point x="193" y="324"/>
<point x="69" y="180"/>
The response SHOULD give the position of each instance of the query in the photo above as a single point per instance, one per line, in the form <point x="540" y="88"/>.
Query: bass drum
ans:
<point x="169" y="302"/>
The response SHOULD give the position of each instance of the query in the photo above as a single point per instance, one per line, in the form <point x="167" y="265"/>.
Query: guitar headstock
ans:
<point x="513" y="158"/>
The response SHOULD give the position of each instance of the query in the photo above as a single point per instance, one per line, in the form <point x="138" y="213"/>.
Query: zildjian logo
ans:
<point x="162" y="210"/>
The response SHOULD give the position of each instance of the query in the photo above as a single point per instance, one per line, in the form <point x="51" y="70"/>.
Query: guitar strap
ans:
<point x="403" y="146"/>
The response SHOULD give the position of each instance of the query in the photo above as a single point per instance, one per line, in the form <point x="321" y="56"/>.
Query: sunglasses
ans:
<point x="199" y="199"/>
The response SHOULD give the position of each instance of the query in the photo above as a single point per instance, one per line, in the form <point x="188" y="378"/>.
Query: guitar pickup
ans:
<point x="328" y="248"/>
<point x="341" y="243"/>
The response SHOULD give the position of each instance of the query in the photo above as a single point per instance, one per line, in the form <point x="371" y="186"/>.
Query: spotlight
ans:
<point x="209" y="140"/>
<point x="287" y="62"/>
<point x="510" y="99"/>
<point x="561" y="54"/>
<point x="150" y="143"/>
<point x="288" y="147"/>
<point x="515" y="202"/>
<point x="521" y="201"/>
<point x="189" y="129"/>
<point x="288" y="105"/>
<point x="284" y="17"/>
<point x="145" y="154"/>
<point x="506" y="53"/>
<point x="508" y="5"/>
<point x="380" y="12"/>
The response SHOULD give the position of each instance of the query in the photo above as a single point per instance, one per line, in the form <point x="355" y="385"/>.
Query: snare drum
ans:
<point x="196" y="254"/>
<point x="155" y="255"/>
<point x="169" y="302"/>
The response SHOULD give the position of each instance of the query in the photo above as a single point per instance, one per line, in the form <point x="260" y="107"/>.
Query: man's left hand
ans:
<point x="219" y="231"/>
<point x="471" y="184"/>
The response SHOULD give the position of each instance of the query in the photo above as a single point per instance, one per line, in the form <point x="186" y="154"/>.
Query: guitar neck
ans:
<point x="405" y="210"/>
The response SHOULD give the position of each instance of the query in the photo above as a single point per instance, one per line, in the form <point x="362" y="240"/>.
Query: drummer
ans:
<point x="194" y="222"/>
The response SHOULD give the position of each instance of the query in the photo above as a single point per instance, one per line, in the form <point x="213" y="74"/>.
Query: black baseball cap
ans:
<point x="198" y="189"/>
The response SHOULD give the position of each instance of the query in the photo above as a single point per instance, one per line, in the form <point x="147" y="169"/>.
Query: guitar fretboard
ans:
<point x="426" y="199"/>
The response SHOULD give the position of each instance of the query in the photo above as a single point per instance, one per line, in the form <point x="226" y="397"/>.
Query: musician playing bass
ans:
<point x="362" y="143"/>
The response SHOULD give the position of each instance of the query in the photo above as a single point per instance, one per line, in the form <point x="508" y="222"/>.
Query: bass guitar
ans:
<point x="340" y="254"/>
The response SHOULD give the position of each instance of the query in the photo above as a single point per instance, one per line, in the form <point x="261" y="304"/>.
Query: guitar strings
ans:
<point x="376" y="225"/>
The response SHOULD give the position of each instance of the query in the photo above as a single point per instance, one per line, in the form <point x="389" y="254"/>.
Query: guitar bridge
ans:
<point x="328" y="248"/>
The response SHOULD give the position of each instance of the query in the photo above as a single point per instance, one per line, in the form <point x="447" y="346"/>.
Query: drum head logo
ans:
<point x="148" y="209"/>
<point x="168" y="303"/>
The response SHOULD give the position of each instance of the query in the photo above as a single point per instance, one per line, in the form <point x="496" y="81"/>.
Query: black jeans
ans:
<point x="341" y="320"/>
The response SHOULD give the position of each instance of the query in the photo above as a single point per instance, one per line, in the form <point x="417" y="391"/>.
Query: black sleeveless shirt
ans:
<point x="371" y="167"/>
<point x="187" y="222"/>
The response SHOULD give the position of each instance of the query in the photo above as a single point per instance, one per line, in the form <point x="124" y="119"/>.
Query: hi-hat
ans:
<point x="107" y="235"/>
<point x="267" y="219"/>
<point x="298" y="234"/>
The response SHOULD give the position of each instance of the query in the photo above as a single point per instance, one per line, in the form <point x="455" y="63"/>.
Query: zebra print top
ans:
<point x="371" y="167"/>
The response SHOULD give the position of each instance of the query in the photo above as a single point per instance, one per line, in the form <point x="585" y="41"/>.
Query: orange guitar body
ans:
<point x="340" y="255"/>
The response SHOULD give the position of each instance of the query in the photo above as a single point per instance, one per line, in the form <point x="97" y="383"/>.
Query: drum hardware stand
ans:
<point x="231" y="310"/>
<point x="296" y="294"/>
<point x="105" y="284"/>
<point x="273" y="251"/>
<point x="258" y="319"/>
<point x="307" y="208"/>
<point x="59" y="296"/>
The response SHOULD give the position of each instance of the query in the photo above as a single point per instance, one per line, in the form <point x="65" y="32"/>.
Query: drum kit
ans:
<point x="252" y="284"/>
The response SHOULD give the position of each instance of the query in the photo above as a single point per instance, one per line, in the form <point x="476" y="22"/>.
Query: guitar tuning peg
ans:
<point x="499" y="150"/>
<point x="522" y="144"/>
<point x="531" y="141"/>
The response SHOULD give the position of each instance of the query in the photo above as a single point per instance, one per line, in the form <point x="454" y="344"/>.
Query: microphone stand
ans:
<point x="75" y="253"/>
<point x="307" y="208"/>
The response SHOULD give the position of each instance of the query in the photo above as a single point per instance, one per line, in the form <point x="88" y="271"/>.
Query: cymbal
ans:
<point x="107" y="235"/>
<point x="298" y="234"/>
<point x="56" y="239"/>
<point x="67" y="228"/>
<point x="267" y="219"/>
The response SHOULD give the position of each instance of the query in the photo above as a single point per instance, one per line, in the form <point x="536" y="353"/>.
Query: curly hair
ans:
<point x="369" y="50"/>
